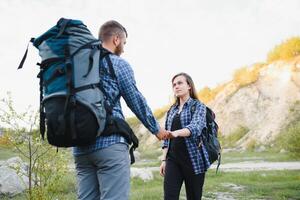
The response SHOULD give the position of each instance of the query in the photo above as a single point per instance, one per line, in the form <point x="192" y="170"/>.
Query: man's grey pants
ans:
<point x="104" y="174"/>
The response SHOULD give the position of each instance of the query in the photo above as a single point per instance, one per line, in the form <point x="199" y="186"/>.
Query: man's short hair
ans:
<point x="109" y="29"/>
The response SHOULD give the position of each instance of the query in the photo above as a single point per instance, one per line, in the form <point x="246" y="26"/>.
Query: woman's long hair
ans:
<point x="190" y="82"/>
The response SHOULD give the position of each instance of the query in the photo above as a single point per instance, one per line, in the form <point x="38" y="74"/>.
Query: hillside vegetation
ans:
<point x="255" y="107"/>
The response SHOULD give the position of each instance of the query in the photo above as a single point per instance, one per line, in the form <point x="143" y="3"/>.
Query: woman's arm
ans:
<point x="184" y="132"/>
<point x="163" y="162"/>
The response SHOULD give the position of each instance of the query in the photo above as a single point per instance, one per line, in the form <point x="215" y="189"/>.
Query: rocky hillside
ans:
<point x="263" y="107"/>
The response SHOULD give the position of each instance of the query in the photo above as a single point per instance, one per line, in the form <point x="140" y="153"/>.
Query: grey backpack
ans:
<point x="71" y="95"/>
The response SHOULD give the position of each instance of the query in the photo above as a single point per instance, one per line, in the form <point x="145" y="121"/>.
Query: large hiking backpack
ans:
<point x="72" y="99"/>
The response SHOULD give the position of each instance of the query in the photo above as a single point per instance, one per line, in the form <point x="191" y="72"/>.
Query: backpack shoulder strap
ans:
<point x="193" y="107"/>
<point x="104" y="54"/>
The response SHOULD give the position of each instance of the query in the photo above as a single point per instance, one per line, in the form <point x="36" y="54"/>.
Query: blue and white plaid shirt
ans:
<point x="124" y="86"/>
<point x="195" y="123"/>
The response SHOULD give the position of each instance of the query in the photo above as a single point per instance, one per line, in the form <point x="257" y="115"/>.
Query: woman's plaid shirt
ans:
<point x="195" y="123"/>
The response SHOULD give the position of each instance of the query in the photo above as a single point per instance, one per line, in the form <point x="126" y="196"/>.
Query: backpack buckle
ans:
<point x="72" y="101"/>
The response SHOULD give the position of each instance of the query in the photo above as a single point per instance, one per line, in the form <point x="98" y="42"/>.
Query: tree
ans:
<point x="45" y="165"/>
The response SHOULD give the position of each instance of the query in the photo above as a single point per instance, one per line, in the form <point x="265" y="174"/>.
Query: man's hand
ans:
<point x="162" y="134"/>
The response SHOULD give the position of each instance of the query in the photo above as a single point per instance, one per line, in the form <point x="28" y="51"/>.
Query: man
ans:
<point x="103" y="169"/>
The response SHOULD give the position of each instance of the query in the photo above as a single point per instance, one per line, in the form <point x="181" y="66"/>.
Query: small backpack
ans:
<point x="209" y="137"/>
<point x="72" y="99"/>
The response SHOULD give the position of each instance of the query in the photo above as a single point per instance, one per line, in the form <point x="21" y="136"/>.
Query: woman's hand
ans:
<point x="184" y="132"/>
<point x="162" y="168"/>
<point x="174" y="134"/>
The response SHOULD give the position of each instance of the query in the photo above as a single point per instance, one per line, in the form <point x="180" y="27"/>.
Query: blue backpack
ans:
<point x="72" y="99"/>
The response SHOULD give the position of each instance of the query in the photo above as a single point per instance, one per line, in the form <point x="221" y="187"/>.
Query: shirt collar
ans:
<point x="188" y="102"/>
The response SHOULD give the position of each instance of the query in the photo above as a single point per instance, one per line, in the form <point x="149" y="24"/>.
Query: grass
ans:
<point x="6" y="153"/>
<point x="255" y="185"/>
<point x="289" y="137"/>
<point x="270" y="156"/>
<point x="147" y="190"/>
<point x="65" y="190"/>
<point x="277" y="185"/>
<point x="234" y="137"/>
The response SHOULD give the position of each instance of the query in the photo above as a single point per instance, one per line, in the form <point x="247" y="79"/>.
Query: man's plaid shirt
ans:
<point x="124" y="85"/>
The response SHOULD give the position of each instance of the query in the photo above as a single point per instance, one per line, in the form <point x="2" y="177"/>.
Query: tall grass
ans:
<point x="289" y="137"/>
<point x="232" y="138"/>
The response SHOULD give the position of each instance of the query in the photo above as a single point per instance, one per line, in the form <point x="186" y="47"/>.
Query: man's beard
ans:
<point x="119" y="50"/>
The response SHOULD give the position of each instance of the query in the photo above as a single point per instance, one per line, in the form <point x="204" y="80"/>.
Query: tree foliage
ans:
<point x="45" y="166"/>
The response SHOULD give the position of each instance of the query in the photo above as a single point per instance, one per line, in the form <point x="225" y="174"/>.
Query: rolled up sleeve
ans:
<point x="198" y="121"/>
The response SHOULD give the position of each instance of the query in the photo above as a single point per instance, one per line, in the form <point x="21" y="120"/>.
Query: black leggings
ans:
<point x="175" y="174"/>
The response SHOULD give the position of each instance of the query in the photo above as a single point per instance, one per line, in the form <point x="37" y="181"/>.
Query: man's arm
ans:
<point x="136" y="101"/>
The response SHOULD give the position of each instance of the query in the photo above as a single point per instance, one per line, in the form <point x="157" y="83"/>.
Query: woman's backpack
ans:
<point x="209" y="137"/>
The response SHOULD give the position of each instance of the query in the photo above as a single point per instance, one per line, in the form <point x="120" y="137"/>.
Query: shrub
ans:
<point x="207" y="94"/>
<point x="251" y="144"/>
<point x="289" y="137"/>
<point x="286" y="50"/>
<point x="245" y="76"/>
<point x="46" y="167"/>
<point x="231" y="139"/>
<point x="5" y="141"/>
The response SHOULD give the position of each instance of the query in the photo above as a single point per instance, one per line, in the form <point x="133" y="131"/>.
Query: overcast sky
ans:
<point x="207" y="39"/>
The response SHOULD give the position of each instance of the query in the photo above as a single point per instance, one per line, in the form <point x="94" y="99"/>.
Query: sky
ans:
<point x="206" y="39"/>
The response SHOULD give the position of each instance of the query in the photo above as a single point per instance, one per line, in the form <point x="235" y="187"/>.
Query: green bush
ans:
<point x="231" y="139"/>
<point x="251" y="144"/>
<point x="46" y="166"/>
<point x="289" y="139"/>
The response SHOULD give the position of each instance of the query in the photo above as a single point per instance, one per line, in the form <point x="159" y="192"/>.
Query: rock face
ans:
<point x="143" y="173"/>
<point x="263" y="106"/>
<point x="13" y="179"/>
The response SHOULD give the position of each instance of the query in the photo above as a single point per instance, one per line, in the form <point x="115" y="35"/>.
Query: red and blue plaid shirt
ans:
<point x="195" y="122"/>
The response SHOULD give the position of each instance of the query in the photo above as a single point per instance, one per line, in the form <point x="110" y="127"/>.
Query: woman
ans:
<point x="182" y="159"/>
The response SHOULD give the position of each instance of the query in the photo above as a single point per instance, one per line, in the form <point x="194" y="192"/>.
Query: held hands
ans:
<point x="162" y="134"/>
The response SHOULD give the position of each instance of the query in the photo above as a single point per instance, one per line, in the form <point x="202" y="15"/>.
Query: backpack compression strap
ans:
<point x="25" y="54"/>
